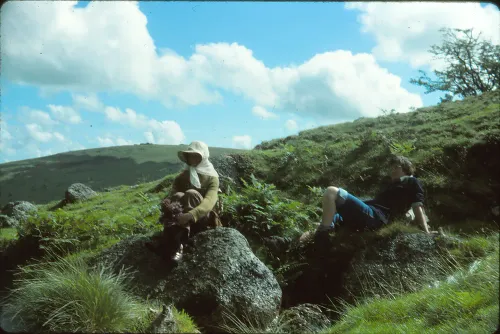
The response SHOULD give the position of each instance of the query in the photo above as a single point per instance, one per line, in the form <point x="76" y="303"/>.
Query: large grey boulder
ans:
<point x="78" y="192"/>
<point x="218" y="275"/>
<point x="231" y="168"/>
<point x="406" y="260"/>
<point x="18" y="211"/>
<point x="349" y="266"/>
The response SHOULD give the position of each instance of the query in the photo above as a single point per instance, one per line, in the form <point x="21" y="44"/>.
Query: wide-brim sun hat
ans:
<point x="192" y="149"/>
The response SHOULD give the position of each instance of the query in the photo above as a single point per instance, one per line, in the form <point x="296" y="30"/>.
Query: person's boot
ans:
<point x="177" y="257"/>
<point x="323" y="231"/>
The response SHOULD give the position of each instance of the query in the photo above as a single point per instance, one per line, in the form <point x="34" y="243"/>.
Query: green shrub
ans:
<point x="260" y="210"/>
<point x="65" y="296"/>
<point x="8" y="235"/>
<point x="69" y="230"/>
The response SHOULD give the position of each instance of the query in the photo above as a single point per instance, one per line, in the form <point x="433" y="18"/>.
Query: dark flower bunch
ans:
<point x="170" y="211"/>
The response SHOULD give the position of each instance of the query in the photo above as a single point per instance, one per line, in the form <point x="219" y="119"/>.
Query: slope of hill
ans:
<point x="454" y="146"/>
<point x="45" y="179"/>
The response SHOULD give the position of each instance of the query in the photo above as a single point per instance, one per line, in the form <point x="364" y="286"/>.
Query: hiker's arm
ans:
<point x="418" y="204"/>
<point x="418" y="210"/>
<point x="208" y="202"/>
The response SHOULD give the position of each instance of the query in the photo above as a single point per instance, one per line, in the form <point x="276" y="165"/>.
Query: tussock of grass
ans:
<point x="468" y="301"/>
<point x="65" y="296"/>
<point x="396" y="228"/>
<point x="184" y="322"/>
<point x="248" y="325"/>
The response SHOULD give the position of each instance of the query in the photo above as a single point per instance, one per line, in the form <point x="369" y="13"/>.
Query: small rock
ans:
<point x="78" y="192"/>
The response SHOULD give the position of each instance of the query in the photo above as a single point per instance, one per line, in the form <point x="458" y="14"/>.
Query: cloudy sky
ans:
<point x="78" y="75"/>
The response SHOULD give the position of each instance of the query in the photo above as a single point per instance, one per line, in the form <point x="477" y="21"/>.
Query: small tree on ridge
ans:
<point x="472" y="65"/>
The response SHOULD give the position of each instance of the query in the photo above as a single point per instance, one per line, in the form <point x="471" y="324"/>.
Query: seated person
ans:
<point x="196" y="190"/>
<point x="404" y="192"/>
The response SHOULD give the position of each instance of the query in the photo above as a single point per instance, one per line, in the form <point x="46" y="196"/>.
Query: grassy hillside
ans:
<point x="45" y="179"/>
<point x="454" y="146"/>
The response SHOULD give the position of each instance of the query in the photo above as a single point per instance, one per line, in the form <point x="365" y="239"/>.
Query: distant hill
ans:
<point x="45" y="179"/>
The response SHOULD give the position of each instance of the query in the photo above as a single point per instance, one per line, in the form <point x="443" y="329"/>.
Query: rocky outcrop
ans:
<point x="231" y="168"/>
<point x="78" y="192"/>
<point x="304" y="318"/>
<point x="17" y="212"/>
<point x="349" y="265"/>
<point x="405" y="261"/>
<point x="218" y="275"/>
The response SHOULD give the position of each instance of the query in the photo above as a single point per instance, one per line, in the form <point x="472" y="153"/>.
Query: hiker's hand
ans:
<point x="185" y="219"/>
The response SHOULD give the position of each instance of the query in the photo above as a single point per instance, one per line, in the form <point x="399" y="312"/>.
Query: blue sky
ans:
<point x="77" y="75"/>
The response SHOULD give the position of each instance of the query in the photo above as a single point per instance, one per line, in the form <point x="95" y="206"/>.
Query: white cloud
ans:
<point x="88" y="102"/>
<point x="4" y="132"/>
<point x="158" y="132"/>
<point x="106" y="141"/>
<point x="129" y="117"/>
<point x="109" y="141"/>
<point x="65" y="114"/>
<point x="44" y="153"/>
<point x="37" y="133"/>
<point x="5" y="139"/>
<point x="37" y="116"/>
<point x="107" y="47"/>
<point x="166" y="132"/>
<point x="291" y="125"/>
<point x="59" y="136"/>
<point x="263" y="113"/>
<point x="405" y="31"/>
<point x="120" y="142"/>
<point x="244" y="142"/>
<point x="150" y="138"/>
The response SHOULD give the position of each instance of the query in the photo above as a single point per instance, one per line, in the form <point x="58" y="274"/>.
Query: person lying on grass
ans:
<point x="404" y="192"/>
<point x="195" y="191"/>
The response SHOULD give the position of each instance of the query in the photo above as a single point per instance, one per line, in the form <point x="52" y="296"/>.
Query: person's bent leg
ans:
<point x="177" y="197"/>
<point x="358" y="215"/>
<point x="191" y="199"/>
<point x="329" y="206"/>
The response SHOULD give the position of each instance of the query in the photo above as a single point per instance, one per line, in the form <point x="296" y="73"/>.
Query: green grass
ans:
<point x="65" y="296"/>
<point x="8" y="235"/>
<point x="184" y="322"/>
<point x="124" y="211"/>
<point x="467" y="301"/>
